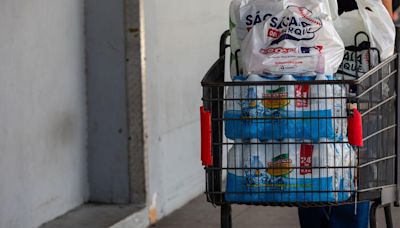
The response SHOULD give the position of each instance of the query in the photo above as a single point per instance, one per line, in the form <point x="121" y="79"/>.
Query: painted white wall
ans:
<point x="181" y="41"/>
<point x="42" y="110"/>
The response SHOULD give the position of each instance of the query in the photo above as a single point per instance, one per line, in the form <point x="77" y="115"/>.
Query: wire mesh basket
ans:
<point x="282" y="141"/>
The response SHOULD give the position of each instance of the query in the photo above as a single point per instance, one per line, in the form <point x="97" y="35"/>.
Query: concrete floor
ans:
<point x="200" y="214"/>
<point x="92" y="216"/>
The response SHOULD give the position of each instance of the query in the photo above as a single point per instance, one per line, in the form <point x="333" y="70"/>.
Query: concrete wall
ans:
<point x="181" y="41"/>
<point x="42" y="110"/>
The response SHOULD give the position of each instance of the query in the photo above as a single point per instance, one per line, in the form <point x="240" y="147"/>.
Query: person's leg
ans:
<point x="313" y="217"/>
<point x="344" y="217"/>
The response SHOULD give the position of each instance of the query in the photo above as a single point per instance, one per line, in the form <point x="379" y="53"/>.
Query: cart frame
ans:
<point x="381" y="197"/>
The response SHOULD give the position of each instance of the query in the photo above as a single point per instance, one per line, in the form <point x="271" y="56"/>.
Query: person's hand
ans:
<point x="395" y="16"/>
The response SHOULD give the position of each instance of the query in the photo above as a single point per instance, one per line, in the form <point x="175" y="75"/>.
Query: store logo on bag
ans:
<point x="359" y="59"/>
<point x="306" y="153"/>
<point x="281" y="166"/>
<point x="275" y="99"/>
<point x="303" y="50"/>
<point x="302" y="26"/>
<point x="252" y="20"/>
<point x="353" y="64"/>
<point x="278" y="50"/>
<point x="302" y="92"/>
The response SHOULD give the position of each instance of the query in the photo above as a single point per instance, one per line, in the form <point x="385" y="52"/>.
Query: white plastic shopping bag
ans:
<point x="369" y="36"/>
<point x="299" y="39"/>
<point x="332" y="9"/>
<point x="244" y="14"/>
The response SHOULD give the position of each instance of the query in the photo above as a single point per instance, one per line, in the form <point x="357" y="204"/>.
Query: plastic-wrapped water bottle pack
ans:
<point x="302" y="112"/>
<point x="283" y="172"/>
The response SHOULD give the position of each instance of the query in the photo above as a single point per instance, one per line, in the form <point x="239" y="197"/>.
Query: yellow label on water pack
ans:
<point x="276" y="99"/>
<point x="281" y="166"/>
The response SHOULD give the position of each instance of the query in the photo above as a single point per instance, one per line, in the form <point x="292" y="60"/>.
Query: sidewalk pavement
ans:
<point x="200" y="214"/>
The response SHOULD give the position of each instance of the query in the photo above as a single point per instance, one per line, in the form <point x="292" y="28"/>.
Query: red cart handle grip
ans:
<point x="355" y="127"/>
<point x="205" y="121"/>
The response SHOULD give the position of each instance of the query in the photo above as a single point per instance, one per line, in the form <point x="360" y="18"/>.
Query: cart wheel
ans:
<point x="388" y="216"/>
<point x="226" y="216"/>
<point x="372" y="215"/>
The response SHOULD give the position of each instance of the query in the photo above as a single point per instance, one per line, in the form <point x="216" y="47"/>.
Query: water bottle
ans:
<point x="237" y="125"/>
<point x="346" y="158"/>
<point x="324" y="177"/>
<point x="246" y="171"/>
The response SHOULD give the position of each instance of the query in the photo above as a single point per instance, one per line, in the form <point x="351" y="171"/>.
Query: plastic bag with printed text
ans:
<point x="283" y="37"/>
<point x="299" y="39"/>
<point x="369" y="36"/>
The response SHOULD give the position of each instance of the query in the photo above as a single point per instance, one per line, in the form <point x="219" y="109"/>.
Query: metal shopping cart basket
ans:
<point x="284" y="142"/>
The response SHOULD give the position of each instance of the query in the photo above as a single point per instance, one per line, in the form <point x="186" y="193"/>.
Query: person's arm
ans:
<point x="389" y="6"/>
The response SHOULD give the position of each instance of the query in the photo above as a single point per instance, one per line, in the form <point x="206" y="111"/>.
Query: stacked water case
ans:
<point x="277" y="142"/>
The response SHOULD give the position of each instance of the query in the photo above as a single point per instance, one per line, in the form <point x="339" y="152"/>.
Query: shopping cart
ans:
<point x="296" y="154"/>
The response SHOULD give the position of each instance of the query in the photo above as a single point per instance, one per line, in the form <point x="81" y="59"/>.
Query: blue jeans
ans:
<point x="335" y="217"/>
